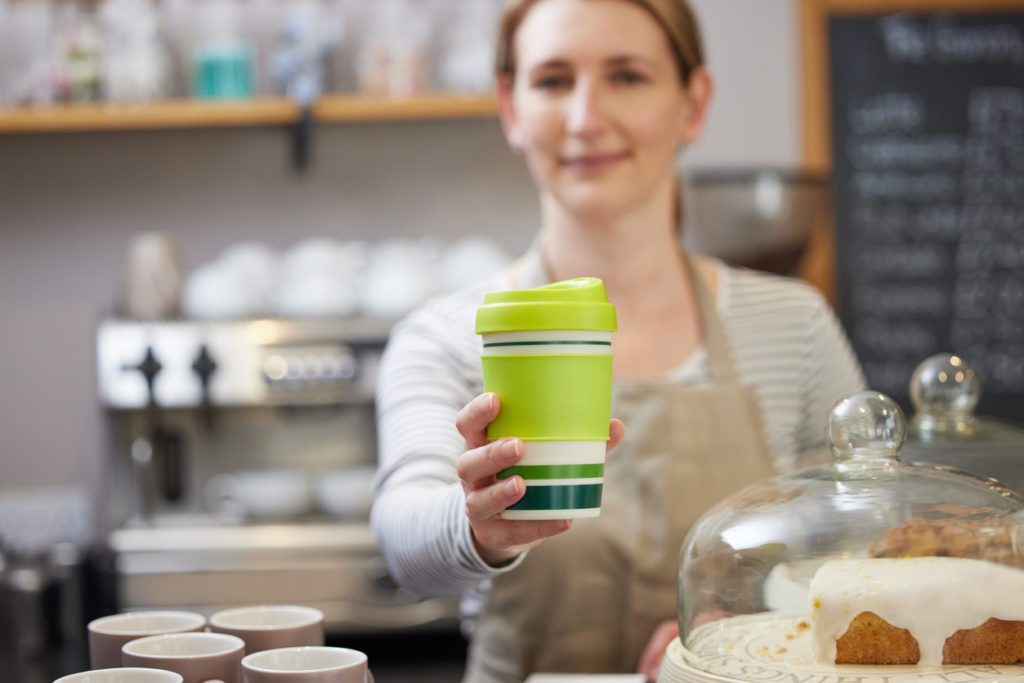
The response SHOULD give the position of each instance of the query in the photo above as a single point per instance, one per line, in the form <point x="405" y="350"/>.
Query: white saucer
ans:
<point x="775" y="647"/>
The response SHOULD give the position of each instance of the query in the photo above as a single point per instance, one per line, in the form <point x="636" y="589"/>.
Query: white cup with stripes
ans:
<point x="547" y="356"/>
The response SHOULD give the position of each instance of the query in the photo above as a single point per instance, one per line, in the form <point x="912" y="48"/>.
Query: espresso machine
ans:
<point x="239" y="462"/>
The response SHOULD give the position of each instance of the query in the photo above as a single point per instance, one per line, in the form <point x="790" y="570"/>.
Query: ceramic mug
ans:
<point x="306" y="665"/>
<point x="345" y="493"/>
<point x="198" y="657"/>
<point x="266" y="627"/>
<point x="107" y="635"/>
<point x="122" y="675"/>
<point x="274" y="492"/>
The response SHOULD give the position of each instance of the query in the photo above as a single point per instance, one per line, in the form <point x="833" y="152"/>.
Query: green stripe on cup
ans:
<point x="545" y="343"/>
<point x="574" y="497"/>
<point x="589" y="471"/>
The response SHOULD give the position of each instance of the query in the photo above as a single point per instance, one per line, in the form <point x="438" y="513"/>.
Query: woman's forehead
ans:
<point x="568" y="30"/>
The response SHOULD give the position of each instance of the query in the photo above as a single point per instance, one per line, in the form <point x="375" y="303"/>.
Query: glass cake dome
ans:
<point x="746" y="566"/>
<point x="944" y="430"/>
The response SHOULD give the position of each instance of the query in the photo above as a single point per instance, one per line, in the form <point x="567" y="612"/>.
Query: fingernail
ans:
<point x="490" y="401"/>
<point x="510" y="448"/>
<point x="512" y="486"/>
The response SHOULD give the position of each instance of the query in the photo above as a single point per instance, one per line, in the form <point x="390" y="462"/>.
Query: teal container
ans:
<point x="223" y="70"/>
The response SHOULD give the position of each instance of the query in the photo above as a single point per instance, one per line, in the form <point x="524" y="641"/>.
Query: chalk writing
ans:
<point x="928" y="142"/>
<point x="941" y="39"/>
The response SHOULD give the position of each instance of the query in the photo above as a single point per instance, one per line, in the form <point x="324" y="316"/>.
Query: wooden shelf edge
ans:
<point x="365" y="108"/>
<point x="188" y="114"/>
<point x="169" y="114"/>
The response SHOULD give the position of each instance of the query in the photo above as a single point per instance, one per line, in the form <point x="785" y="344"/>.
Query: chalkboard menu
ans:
<point x="928" y="150"/>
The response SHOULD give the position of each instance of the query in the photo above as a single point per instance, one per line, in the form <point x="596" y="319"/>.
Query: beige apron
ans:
<point x="588" y="600"/>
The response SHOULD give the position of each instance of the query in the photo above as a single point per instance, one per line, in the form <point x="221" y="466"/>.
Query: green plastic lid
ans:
<point x="578" y="304"/>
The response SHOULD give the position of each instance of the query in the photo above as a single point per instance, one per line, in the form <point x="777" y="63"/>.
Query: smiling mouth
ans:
<point x="593" y="162"/>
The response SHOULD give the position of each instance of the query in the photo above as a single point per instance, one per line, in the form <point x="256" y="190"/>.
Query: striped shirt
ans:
<point x="786" y="342"/>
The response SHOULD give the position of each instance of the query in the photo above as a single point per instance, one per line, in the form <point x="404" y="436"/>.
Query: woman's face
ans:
<point x="597" y="105"/>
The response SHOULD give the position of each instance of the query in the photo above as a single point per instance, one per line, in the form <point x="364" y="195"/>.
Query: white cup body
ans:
<point x="198" y="657"/>
<point x="306" y="665"/>
<point x="562" y="454"/>
<point x="266" y="627"/>
<point x="122" y="675"/>
<point x="108" y="634"/>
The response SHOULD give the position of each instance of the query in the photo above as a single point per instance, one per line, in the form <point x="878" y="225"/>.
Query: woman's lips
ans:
<point x="593" y="162"/>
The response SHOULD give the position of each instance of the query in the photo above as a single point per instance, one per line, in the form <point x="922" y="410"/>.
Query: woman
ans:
<point x="722" y="376"/>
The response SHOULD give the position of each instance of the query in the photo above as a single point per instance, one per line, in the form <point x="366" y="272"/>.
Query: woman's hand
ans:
<point x="650" y="659"/>
<point x="499" y="540"/>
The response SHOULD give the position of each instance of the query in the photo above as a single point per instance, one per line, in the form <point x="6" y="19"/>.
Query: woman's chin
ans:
<point x="594" y="204"/>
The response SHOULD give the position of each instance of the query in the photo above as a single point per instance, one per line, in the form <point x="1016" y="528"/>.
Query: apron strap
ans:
<point x="720" y="359"/>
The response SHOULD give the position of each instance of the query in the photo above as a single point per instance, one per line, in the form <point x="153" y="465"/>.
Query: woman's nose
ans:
<point x="586" y="115"/>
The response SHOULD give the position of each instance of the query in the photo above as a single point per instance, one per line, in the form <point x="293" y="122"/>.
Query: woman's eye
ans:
<point x="552" y="82"/>
<point x="629" y="77"/>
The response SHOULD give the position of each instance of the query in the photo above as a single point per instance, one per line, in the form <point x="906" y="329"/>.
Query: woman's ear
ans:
<point x="698" y="92"/>
<point x="507" y="113"/>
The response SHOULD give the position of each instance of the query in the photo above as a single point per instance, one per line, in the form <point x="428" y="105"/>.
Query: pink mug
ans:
<point x="107" y="635"/>
<point x="198" y="657"/>
<point x="267" y="627"/>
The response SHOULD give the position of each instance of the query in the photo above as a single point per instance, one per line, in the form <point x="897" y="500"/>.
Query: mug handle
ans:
<point x="369" y="677"/>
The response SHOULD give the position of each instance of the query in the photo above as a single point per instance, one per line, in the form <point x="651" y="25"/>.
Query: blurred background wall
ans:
<point x="70" y="202"/>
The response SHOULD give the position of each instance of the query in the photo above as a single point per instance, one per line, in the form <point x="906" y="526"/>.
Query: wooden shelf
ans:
<point x="181" y="114"/>
<point x="156" y="115"/>
<point x="345" y="108"/>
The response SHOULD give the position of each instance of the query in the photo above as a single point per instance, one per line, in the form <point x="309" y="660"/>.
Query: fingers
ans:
<point x="520" y="534"/>
<point x="474" y="417"/>
<point x="650" y="660"/>
<point x="495" y="538"/>
<point x="499" y="540"/>
<point x="616" y="432"/>
<point x="484" y="502"/>
<point x="477" y="467"/>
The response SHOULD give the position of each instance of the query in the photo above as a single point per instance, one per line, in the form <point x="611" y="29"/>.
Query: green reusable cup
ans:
<point x="547" y="355"/>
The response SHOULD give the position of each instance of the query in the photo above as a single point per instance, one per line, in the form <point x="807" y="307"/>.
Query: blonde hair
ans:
<point x="675" y="17"/>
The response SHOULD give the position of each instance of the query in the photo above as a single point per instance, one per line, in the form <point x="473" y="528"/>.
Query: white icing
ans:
<point x="932" y="597"/>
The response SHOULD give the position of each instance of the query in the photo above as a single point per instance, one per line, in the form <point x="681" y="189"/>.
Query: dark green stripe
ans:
<point x="545" y="343"/>
<point x="559" y="497"/>
<point x="554" y="471"/>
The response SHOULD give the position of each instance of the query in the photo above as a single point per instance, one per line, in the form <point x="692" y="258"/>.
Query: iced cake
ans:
<point x="923" y="610"/>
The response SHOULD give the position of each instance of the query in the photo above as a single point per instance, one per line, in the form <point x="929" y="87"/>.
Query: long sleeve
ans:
<point x="429" y="371"/>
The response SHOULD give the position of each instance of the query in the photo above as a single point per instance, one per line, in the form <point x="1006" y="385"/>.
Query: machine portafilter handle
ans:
<point x="204" y="365"/>
<point x="150" y="367"/>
